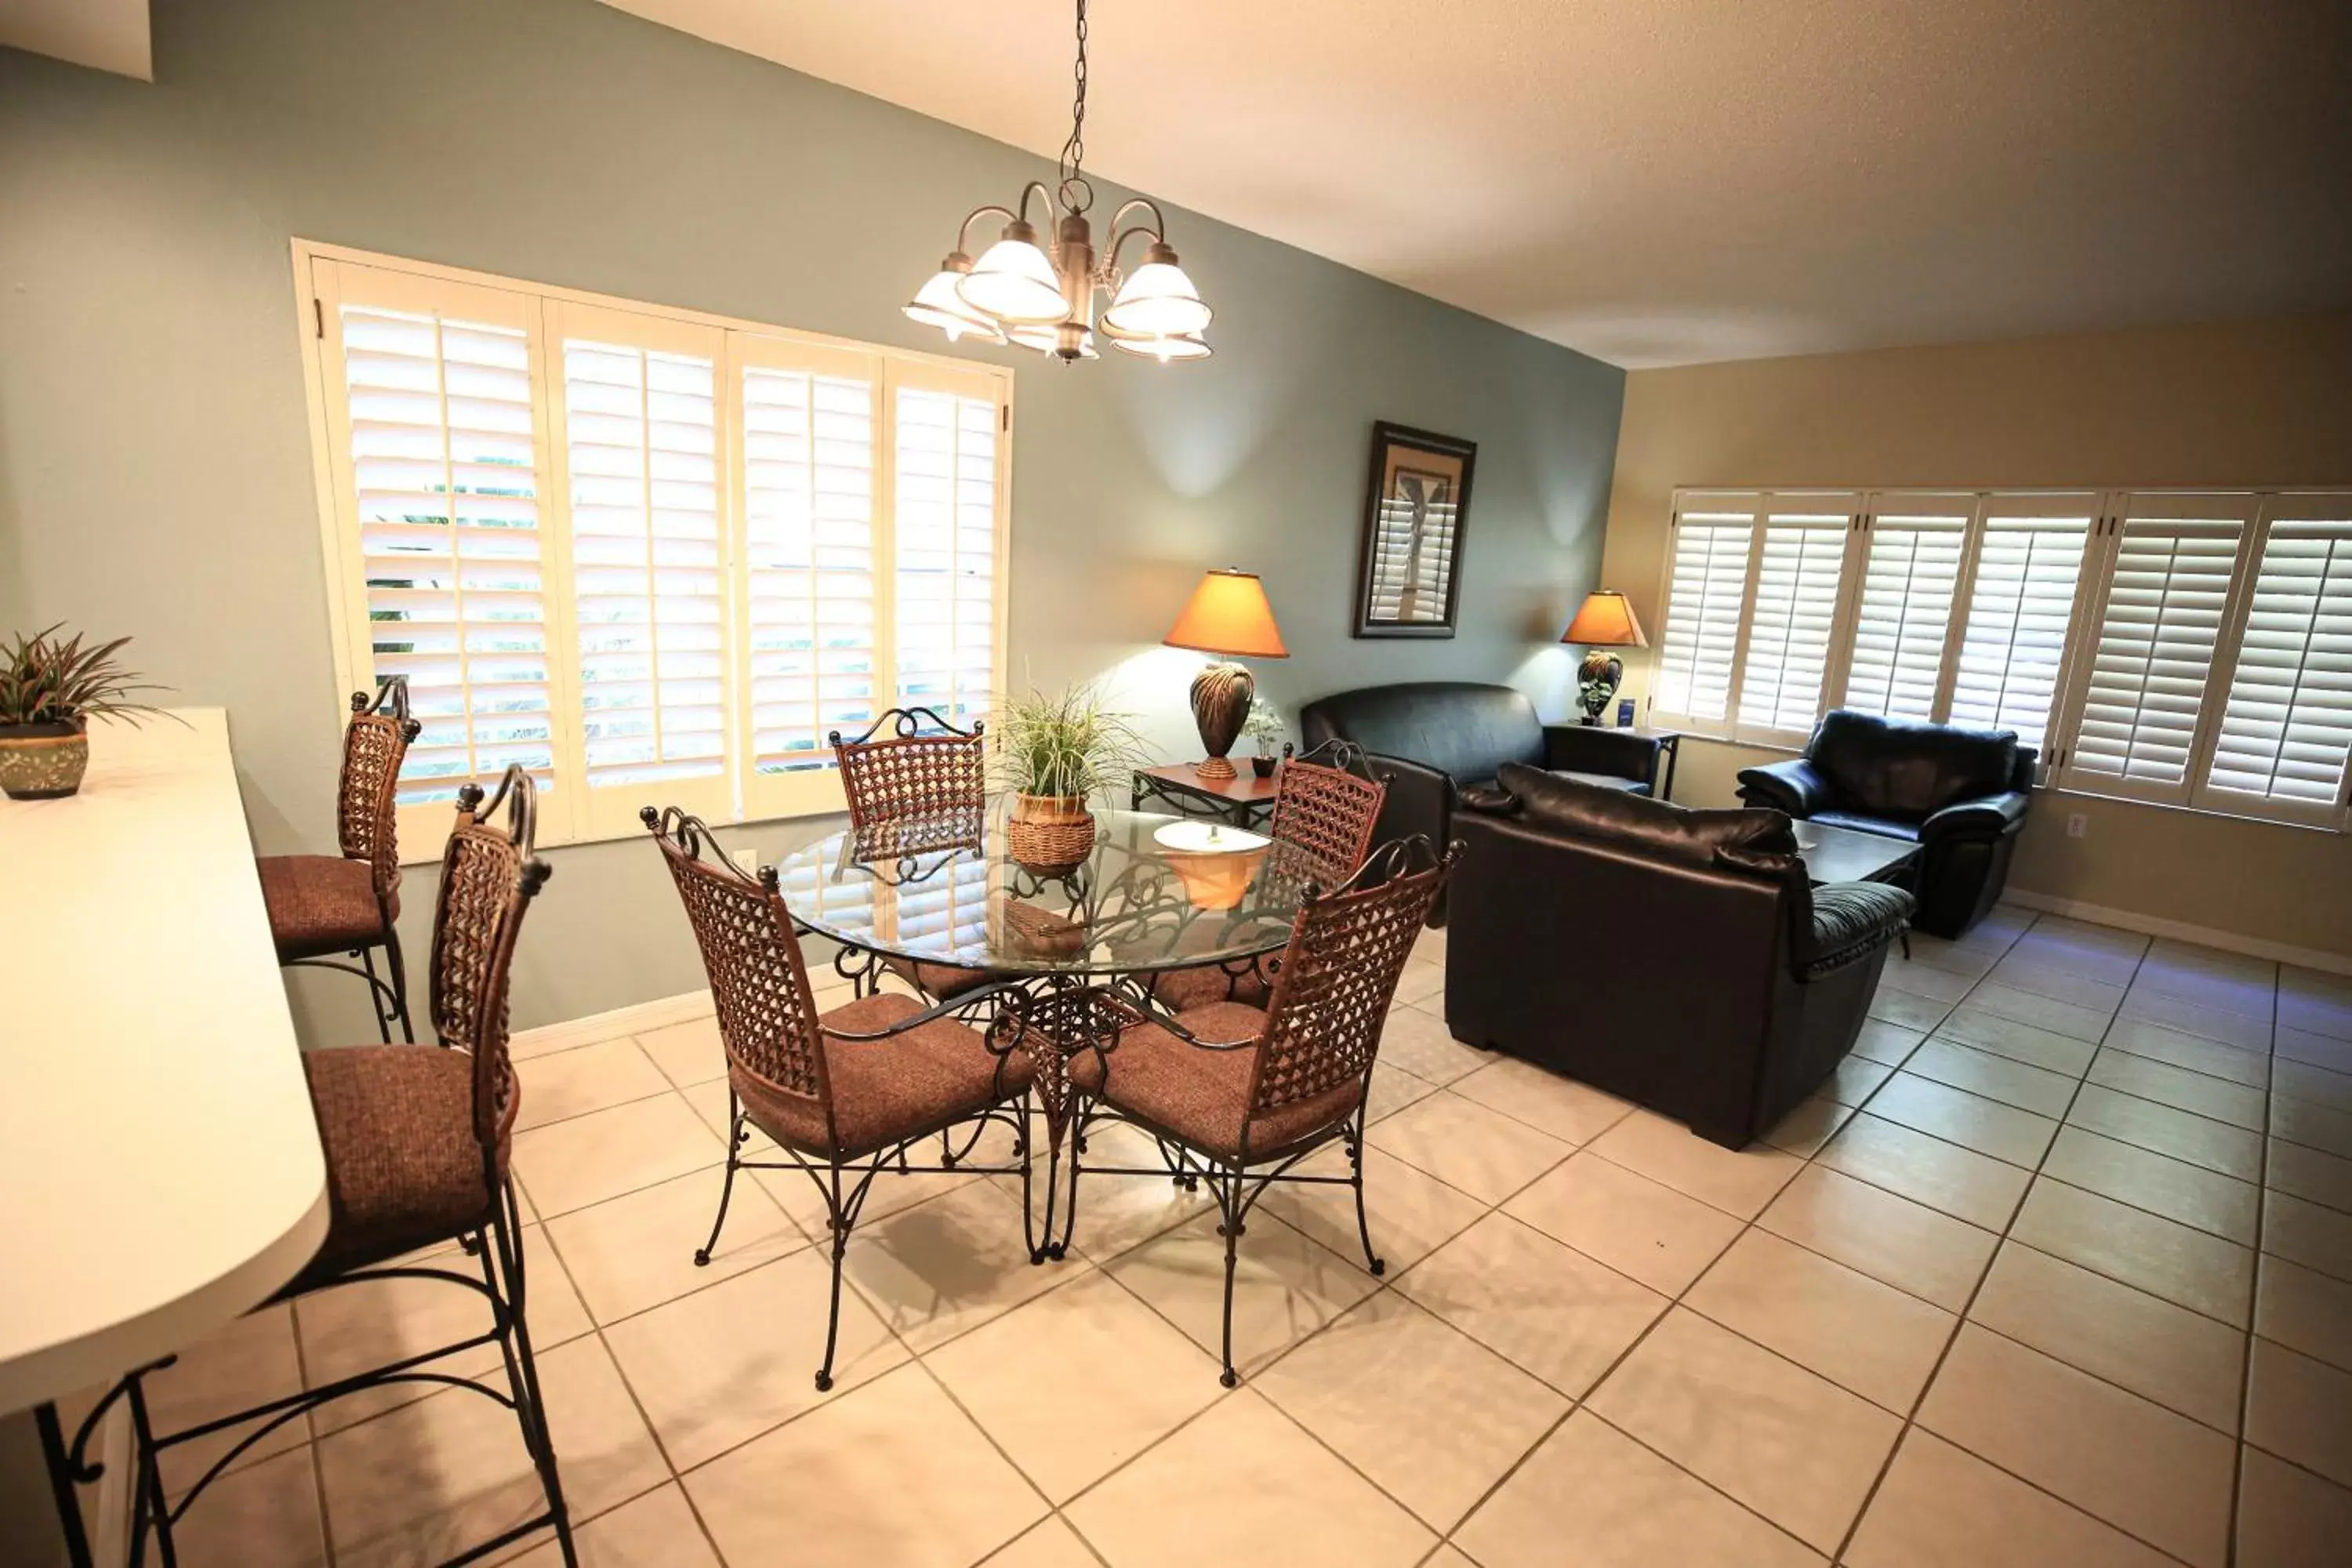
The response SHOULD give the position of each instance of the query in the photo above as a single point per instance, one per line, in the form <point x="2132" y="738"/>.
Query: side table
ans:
<point x="1244" y="800"/>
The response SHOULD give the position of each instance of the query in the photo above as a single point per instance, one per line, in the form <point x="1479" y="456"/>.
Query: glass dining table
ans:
<point x="1065" y="956"/>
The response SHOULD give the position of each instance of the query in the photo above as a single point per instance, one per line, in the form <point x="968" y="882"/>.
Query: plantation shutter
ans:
<point x="945" y="429"/>
<point x="1799" y="570"/>
<point x="641" y="439"/>
<point x="2173" y="559"/>
<point x="1910" y="575"/>
<point x="2021" y="610"/>
<point x="1706" y="584"/>
<point x="2287" y="722"/>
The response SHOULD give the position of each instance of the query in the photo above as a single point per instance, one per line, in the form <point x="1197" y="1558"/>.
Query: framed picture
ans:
<point x="1409" y="581"/>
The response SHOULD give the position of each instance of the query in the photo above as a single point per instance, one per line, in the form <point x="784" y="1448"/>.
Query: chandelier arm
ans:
<point x="1157" y="228"/>
<point x="964" y="234"/>
<point x="1039" y="188"/>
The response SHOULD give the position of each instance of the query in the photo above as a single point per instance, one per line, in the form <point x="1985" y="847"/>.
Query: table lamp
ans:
<point x="1605" y="620"/>
<point x="1228" y="615"/>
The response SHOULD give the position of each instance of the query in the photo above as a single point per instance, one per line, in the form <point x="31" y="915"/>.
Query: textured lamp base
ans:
<point x="1596" y="683"/>
<point x="1221" y="695"/>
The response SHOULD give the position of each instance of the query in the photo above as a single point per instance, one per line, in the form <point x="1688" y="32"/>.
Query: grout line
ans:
<point x="2253" y="1305"/>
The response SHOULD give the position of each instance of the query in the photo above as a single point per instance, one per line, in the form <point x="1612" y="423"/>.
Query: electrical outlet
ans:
<point x="747" y="860"/>
<point x="2077" y="825"/>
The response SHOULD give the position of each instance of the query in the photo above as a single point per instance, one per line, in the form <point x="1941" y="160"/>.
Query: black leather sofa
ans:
<point x="1433" y="739"/>
<point x="1961" y="795"/>
<point x="1677" y="958"/>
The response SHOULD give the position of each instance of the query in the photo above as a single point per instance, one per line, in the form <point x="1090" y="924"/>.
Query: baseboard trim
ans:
<point x="659" y="1012"/>
<point x="2182" y="931"/>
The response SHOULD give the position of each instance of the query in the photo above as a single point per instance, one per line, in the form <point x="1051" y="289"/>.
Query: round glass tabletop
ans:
<point x="1156" y="892"/>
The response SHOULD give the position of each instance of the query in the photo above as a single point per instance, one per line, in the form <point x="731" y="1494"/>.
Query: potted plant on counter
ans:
<point x="1053" y="752"/>
<point x="49" y="689"/>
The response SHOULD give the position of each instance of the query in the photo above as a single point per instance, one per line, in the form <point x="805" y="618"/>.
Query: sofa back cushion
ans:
<point x="1884" y="767"/>
<point x="1654" y="827"/>
<point x="1457" y="727"/>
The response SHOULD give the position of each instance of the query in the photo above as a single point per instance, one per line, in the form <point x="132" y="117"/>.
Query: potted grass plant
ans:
<point x="49" y="689"/>
<point x="1053" y="752"/>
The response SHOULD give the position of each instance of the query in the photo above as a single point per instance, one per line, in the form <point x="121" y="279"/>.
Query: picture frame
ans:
<point x="1416" y="509"/>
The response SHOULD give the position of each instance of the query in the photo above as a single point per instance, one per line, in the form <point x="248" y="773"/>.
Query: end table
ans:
<point x="1244" y="800"/>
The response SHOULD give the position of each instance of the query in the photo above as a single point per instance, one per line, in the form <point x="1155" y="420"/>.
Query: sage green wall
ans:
<point x="155" y="464"/>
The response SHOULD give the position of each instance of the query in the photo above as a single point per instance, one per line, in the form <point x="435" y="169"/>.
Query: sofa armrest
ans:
<point x="1791" y="787"/>
<point x="1420" y="799"/>
<point x="1849" y="921"/>
<point x="1596" y="748"/>
<point x="1987" y="816"/>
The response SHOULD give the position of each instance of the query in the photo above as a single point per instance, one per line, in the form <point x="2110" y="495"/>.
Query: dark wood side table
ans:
<point x="1244" y="800"/>
<point x="1669" y="751"/>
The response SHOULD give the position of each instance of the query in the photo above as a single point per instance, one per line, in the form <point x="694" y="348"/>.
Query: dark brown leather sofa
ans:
<point x="1677" y="958"/>
<point x="1961" y="795"/>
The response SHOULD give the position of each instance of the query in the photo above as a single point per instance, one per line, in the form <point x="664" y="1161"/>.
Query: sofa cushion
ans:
<point x="1459" y="728"/>
<point x="1849" y="921"/>
<point x="1604" y="781"/>
<point x="1884" y="767"/>
<point x="1614" y="814"/>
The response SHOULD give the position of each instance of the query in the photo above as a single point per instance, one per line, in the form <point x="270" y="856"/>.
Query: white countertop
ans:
<point x="159" y="1168"/>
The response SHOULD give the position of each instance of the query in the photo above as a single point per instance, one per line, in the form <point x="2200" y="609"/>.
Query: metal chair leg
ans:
<point x="737" y="1133"/>
<point x="153" y="1508"/>
<point x="1229" y="1195"/>
<point x="839" y="1226"/>
<point x="522" y="1373"/>
<point x="399" y="967"/>
<point x="376" y="1002"/>
<point x="1355" y="1137"/>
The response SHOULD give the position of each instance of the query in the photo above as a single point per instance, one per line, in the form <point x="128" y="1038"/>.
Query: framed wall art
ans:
<point x="1408" y="582"/>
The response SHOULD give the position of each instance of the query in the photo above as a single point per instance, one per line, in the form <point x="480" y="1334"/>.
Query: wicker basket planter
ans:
<point x="43" y="761"/>
<point x="1050" y="831"/>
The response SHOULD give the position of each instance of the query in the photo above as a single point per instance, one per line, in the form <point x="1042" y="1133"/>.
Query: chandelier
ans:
<point x="1017" y="293"/>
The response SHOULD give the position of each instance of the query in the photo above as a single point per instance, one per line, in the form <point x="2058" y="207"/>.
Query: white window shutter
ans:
<point x="1910" y="573"/>
<point x="1800" y="575"/>
<point x="2021" y="610"/>
<point x="946" y="428"/>
<point x="1706" y="585"/>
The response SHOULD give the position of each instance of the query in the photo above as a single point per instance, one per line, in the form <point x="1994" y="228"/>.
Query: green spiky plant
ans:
<point x="48" y="679"/>
<point x="1064" y="744"/>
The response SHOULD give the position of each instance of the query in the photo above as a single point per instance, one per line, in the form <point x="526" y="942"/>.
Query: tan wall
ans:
<point x="2259" y="403"/>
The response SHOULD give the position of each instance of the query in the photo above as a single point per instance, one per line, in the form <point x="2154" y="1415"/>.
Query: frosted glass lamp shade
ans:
<point x="937" y="304"/>
<point x="1174" y="346"/>
<point x="1015" y="283"/>
<point x="1157" y="301"/>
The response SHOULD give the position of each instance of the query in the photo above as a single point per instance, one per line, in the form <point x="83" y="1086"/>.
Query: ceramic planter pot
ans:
<point x="1050" y="830"/>
<point x="1263" y="766"/>
<point x="43" y="761"/>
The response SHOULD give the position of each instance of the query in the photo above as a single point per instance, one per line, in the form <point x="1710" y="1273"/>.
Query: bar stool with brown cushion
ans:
<point x="417" y="1141"/>
<point x="1247" y="1093"/>
<point x="1323" y="814"/>
<point x="923" y="786"/>
<point x="324" y="905"/>
<point x="844" y="1094"/>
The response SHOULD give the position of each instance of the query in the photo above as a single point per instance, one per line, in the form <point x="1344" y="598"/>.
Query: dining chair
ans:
<point x="844" y="1094"/>
<point x="1324" y="814"/>
<point x="1244" y="1094"/>
<point x="416" y="1140"/>
<point x="924" y="785"/>
<point x="348" y="904"/>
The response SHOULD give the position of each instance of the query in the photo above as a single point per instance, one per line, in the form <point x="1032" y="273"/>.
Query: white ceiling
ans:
<point x="110" y="35"/>
<point x="1669" y="182"/>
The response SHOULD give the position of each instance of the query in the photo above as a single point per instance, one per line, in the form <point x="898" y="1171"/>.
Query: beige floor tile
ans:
<point x="1892" y="1239"/>
<point x="655" y="1531"/>
<point x="637" y="1250"/>
<point x="942" y="1267"/>
<point x="2200" y="1140"/>
<point x="2250" y="1034"/>
<point x="2194" y="1052"/>
<point x="434" y="1477"/>
<point x="264" y="1514"/>
<point x="587" y="1077"/>
<point x="2045" y="1048"/>
<point x="1861" y="1335"/>
<point x="1627" y="1221"/>
<point x="2313" y="1126"/>
<point x="2139" y="1467"/>
<point x="2311" y="1175"/>
<point x="1076" y="1383"/>
<point x="1972" y="1120"/>
<point x="1447" y="1556"/>
<point x="1803" y="1130"/>
<point x="1411" y="1213"/>
<point x="2196" y="1092"/>
<point x="2247" y="997"/>
<point x="711" y="1102"/>
<point x="2318" y="1050"/>
<point x="1393" y="1088"/>
<point x="1233" y="1488"/>
<point x="2301" y="1410"/>
<point x="1573" y="1112"/>
<point x="1993" y="1076"/>
<point x="725" y="1364"/>
<point x="892" y="1472"/>
<point x="1854" y="1080"/>
<point x="1422" y="981"/>
<point x="688" y="1053"/>
<point x="1592" y="1497"/>
<point x="1736" y="1180"/>
<point x="1925" y="980"/>
<point x="2306" y="1233"/>
<point x="1468" y="1147"/>
<point x="1793" y="1447"/>
<point x="2187" y="1266"/>
<point x="2157" y="1182"/>
<point x="2182" y="1360"/>
<point x="2058" y="983"/>
<point x="1941" y="1507"/>
<point x="1960" y="1182"/>
<point x="2170" y="963"/>
<point x="571" y="1164"/>
<point x="1115" y="1212"/>
<point x="2318" y="1085"/>
<point x="1905" y="1011"/>
<point x="2289" y="1518"/>
<point x="244" y="1363"/>
<point x="1285" y="1286"/>
<point x="1424" y="1412"/>
<point x="2316" y="1004"/>
<point x="1417" y="1041"/>
<point x="1050" y="1543"/>
<point x="2042" y="1012"/>
<point x="794" y="1192"/>
<point x="1546" y="1308"/>
<point x="2305" y="1312"/>
<point x="1970" y="955"/>
<point x="2102" y="952"/>
<point x="1889" y="1045"/>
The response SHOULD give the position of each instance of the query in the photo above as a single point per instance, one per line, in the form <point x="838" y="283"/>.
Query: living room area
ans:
<point x="1079" y="784"/>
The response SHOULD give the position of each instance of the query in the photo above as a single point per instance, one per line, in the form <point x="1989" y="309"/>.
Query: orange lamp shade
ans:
<point x="1228" y="615"/>
<point x="1605" y="619"/>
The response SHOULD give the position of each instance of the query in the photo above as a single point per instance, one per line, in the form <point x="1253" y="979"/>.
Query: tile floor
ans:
<point x="2057" y="1270"/>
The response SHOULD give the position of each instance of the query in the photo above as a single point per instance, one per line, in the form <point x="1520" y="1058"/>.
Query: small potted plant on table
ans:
<point x="1052" y="753"/>
<point x="49" y="688"/>
<point x="1266" y="729"/>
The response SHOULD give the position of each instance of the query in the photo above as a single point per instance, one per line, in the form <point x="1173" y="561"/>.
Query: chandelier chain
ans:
<point x="1077" y="193"/>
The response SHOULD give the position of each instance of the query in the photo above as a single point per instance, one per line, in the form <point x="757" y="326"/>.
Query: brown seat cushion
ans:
<point x="1202" y="1095"/>
<point x="321" y="904"/>
<point x="1205" y="985"/>
<point x="403" y="1168"/>
<point x="884" y="1091"/>
<point x="940" y="980"/>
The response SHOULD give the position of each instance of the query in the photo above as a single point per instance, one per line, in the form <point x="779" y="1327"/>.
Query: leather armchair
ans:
<point x="1961" y="795"/>
<point x="1677" y="958"/>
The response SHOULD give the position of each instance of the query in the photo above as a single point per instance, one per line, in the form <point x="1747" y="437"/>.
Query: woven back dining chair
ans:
<point x="1241" y="1094"/>
<point x="844" y="1094"/>
<point x="416" y="1140"/>
<point x="334" y="911"/>
<point x="922" y="786"/>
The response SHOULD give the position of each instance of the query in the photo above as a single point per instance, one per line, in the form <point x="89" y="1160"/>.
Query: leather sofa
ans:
<point x="1431" y="740"/>
<point x="1961" y="795"/>
<point x="1677" y="958"/>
